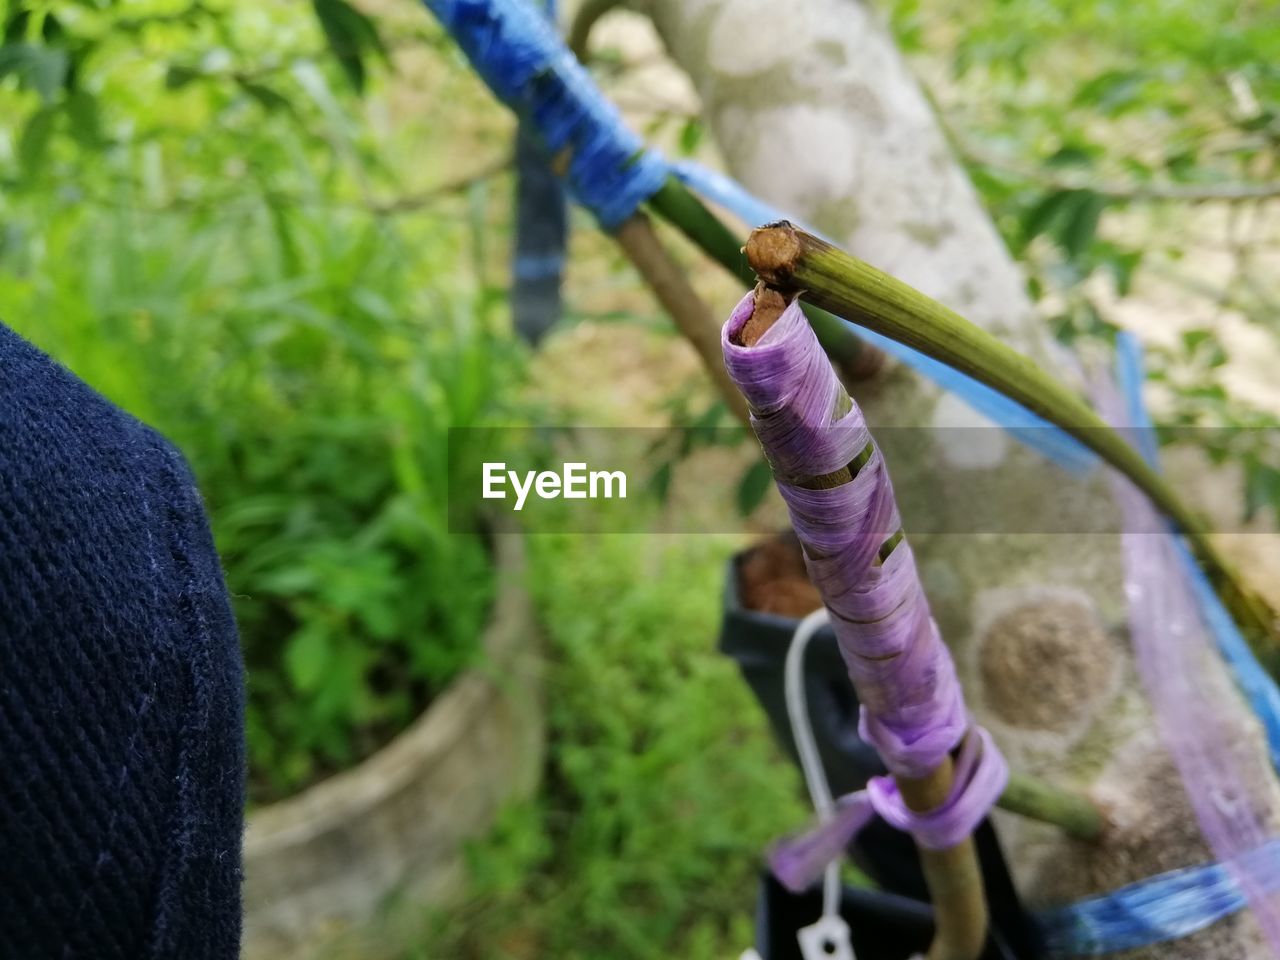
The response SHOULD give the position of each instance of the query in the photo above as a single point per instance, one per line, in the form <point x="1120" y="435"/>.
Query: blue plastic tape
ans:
<point x="513" y="46"/>
<point x="1161" y="908"/>
<point x="529" y="266"/>
<point x="729" y="193"/>
<point x="1030" y="428"/>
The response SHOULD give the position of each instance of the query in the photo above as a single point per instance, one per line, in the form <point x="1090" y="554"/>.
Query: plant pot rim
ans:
<point x="336" y="801"/>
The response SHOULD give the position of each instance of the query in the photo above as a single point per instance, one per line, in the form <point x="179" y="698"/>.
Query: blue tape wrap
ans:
<point x="1033" y="430"/>
<point x="513" y="47"/>
<point x="730" y="194"/>
<point x="1165" y="907"/>
<point x="537" y="266"/>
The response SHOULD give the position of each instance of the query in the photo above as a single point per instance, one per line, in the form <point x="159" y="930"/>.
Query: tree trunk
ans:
<point x="818" y="113"/>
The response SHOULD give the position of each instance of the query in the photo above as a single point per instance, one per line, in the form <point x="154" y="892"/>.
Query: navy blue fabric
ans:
<point x="122" y="762"/>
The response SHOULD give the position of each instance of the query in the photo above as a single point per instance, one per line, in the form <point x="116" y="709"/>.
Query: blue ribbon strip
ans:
<point x="541" y="231"/>
<point x="1165" y="907"/>
<point x="513" y="46"/>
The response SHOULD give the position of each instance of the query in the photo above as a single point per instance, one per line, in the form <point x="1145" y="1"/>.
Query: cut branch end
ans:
<point x="773" y="252"/>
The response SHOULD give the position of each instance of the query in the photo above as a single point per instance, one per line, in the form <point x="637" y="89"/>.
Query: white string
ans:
<point x="815" y="777"/>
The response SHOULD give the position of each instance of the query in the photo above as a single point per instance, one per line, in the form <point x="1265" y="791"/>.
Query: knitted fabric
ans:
<point x="121" y="686"/>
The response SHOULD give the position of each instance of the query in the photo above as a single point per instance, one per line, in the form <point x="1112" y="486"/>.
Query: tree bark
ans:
<point x="817" y="112"/>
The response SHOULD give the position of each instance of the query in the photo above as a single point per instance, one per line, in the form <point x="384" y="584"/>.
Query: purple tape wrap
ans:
<point x="913" y="710"/>
<point x="980" y="777"/>
<point x="1177" y="664"/>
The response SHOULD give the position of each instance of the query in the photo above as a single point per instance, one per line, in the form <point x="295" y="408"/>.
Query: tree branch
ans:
<point x="952" y="875"/>
<point x="1235" y="192"/>
<point x="692" y="316"/>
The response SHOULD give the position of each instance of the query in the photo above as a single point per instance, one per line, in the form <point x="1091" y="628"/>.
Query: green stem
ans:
<point x="675" y="203"/>
<point x="793" y="260"/>
<point x="1034" y="799"/>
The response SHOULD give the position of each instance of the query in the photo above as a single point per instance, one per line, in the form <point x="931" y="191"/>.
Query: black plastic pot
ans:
<point x="758" y="642"/>
<point x="882" y="926"/>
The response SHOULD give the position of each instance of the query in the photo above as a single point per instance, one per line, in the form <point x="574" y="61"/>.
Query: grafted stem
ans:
<point x="952" y="875"/>
<point x="789" y="258"/>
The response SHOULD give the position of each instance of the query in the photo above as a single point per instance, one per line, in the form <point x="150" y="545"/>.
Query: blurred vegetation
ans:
<point x="664" y="786"/>
<point x="1128" y="142"/>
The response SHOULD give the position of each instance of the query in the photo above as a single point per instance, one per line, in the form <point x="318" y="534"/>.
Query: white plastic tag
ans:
<point x="749" y="954"/>
<point x="828" y="939"/>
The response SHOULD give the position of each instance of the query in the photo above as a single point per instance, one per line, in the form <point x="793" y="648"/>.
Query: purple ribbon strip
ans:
<point x="980" y="777"/>
<point x="1225" y="783"/>
<point x="913" y="710"/>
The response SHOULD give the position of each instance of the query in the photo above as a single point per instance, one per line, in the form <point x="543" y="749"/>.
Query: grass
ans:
<point x="663" y="785"/>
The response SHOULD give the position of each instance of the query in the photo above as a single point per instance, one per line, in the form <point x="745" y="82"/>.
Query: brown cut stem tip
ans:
<point x="769" y="304"/>
<point x="773" y="250"/>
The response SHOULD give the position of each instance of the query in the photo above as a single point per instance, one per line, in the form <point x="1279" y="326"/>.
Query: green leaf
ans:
<point x="34" y="144"/>
<point x="1040" y="217"/>
<point x="1121" y="264"/>
<point x="1192" y="339"/>
<point x="39" y="68"/>
<point x="84" y="118"/>
<point x="1081" y="223"/>
<point x="1073" y="155"/>
<point x="179" y="75"/>
<point x="15" y="24"/>
<point x="690" y="135"/>
<point x="753" y="486"/>
<point x="307" y="656"/>
<point x="1112" y="93"/>
<point x="270" y="100"/>
<point x="351" y="34"/>
<point x="1261" y="488"/>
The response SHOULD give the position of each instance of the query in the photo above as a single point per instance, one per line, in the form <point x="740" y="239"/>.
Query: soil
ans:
<point x="1016" y="648"/>
<point x="772" y="578"/>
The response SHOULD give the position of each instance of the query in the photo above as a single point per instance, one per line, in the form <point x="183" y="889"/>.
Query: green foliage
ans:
<point x="351" y="35"/>
<point x="1094" y="131"/>
<point x="312" y="393"/>
<point x="187" y="241"/>
<point x="664" y="786"/>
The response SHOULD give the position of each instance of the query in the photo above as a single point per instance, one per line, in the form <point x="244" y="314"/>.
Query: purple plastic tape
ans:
<point x="913" y="710"/>
<point x="1173" y="649"/>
